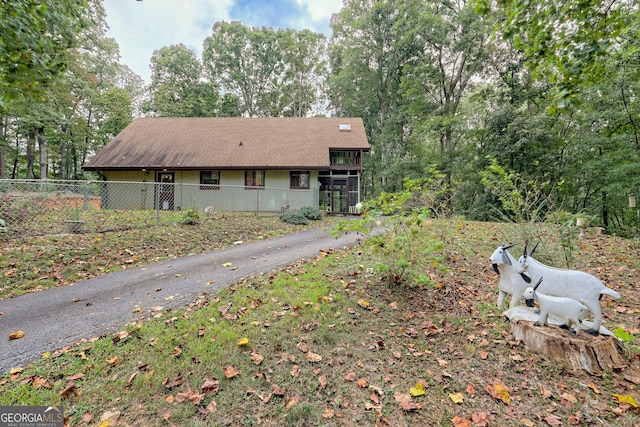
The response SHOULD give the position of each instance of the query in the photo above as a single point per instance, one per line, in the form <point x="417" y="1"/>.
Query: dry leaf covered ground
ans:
<point x="325" y="342"/>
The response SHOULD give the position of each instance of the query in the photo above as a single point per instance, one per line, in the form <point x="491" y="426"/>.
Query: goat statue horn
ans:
<point x="507" y="246"/>
<point x="533" y="250"/>
<point x="537" y="284"/>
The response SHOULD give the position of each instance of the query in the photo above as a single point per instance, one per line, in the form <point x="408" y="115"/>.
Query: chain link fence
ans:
<point x="33" y="207"/>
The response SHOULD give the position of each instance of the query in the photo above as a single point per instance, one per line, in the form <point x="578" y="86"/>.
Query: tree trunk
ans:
<point x="31" y="155"/>
<point x="3" y="144"/>
<point x="582" y="352"/>
<point x="44" y="161"/>
<point x="63" y="153"/>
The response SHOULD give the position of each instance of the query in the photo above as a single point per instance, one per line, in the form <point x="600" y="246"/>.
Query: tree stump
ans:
<point x="582" y="352"/>
<point x="579" y="352"/>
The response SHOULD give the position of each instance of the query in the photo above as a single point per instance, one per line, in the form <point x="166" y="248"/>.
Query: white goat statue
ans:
<point x="577" y="285"/>
<point x="566" y="309"/>
<point x="505" y="264"/>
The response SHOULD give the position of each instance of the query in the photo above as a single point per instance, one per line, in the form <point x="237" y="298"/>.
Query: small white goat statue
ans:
<point x="505" y="264"/>
<point x="577" y="285"/>
<point x="566" y="309"/>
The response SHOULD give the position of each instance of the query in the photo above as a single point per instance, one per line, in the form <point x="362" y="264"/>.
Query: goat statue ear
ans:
<point x="525" y="277"/>
<point x="505" y="257"/>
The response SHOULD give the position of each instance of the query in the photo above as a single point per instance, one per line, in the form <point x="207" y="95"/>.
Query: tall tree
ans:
<point x="367" y="60"/>
<point x="247" y="62"/>
<point x="452" y="51"/>
<point x="178" y="87"/>
<point x="303" y="87"/>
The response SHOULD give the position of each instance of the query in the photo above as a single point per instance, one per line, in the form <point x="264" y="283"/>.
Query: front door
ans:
<point x="339" y="196"/>
<point x="164" y="191"/>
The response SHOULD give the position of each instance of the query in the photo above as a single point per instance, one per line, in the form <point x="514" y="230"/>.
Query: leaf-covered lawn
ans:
<point x="324" y="342"/>
<point x="33" y="264"/>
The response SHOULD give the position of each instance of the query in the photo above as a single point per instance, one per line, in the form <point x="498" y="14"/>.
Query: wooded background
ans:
<point x="519" y="110"/>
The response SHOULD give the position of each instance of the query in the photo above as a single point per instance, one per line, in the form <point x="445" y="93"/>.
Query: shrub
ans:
<point x="293" y="218"/>
<point x="310" y="212"/>
<point x="191" y="216"/>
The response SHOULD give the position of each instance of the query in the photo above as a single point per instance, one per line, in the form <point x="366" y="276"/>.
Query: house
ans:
<point x="235" y="163"/>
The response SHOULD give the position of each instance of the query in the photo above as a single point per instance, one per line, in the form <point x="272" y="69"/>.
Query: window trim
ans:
<point x="214" y="186"/>
<point x="299" y="173"/>
<point x="254" y="174"/>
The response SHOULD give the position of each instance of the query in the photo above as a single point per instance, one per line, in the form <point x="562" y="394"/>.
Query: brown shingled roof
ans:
<point x="229" y="143"/>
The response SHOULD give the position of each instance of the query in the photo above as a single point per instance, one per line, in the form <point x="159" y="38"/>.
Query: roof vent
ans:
<point x="344" y="127"/>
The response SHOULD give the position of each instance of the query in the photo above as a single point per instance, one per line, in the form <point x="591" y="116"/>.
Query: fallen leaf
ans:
<point x="470" y="389"/>
<point x="456" y="397"/>
<point x="629" y="400"/>
<point x="417" y="390"/>
<point x="211" y="407"/>
<point x="594" y="387"/>
<point x="567" y="399"/>
<point x="553" y="420"/>
<point x="362" y="303"/>
<point x="277" y="390"/>
<point x="16" y="335"/>
<point x="243" y="341"/>
<point x="227" y="264"/>
<point x="39" y="382"/>
<point x="480" y="419"/>
<point x="230" y="372"/>
<point x="363" y="383"/>
<point x="461" y="422"/>
<point x="322" y="379"/>
<point x="545" y="393"/>
<point x="295" y="370"/>
<point x="257" y="358"/>
<point x="174" y="382"/>
<point x="211" y="385"/>
<point x="69" y="388"/>
<point x="483" y="355"/>
<point x="499" y="392"/>
<point x="328" y="412"/>
<point x="291" y="402"/>
<point x="313" y="357"/>
<point x="113" y="361"/>
<point x="350" y="376"/>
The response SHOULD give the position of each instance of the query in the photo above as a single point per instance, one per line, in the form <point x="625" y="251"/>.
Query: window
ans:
<point x="254" y="178"/>
<point x="209" y="180"/>
<point x="299" y="179"/>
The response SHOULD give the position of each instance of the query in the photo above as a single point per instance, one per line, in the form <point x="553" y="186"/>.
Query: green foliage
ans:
<point x="405" y="257"/>
<point x="270" y="72"/>
<point x="3" y="226"/>
<point x="520" y="200"/>
<point x="177" y="86"/>
<point x="191" y="216"/>
<point x="36" y="39"/>
<point x="567" y="43"/>
<point x="620" y="333"/>
<point x="293" y="218"/>
<point x="311" y="213"/>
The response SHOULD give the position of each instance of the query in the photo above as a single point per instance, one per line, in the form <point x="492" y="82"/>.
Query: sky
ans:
<point x="141" y="27"/>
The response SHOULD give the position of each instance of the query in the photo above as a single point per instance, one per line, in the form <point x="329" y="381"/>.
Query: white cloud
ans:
<point x="321" y="11"/>
<point x="141" y="27"/>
